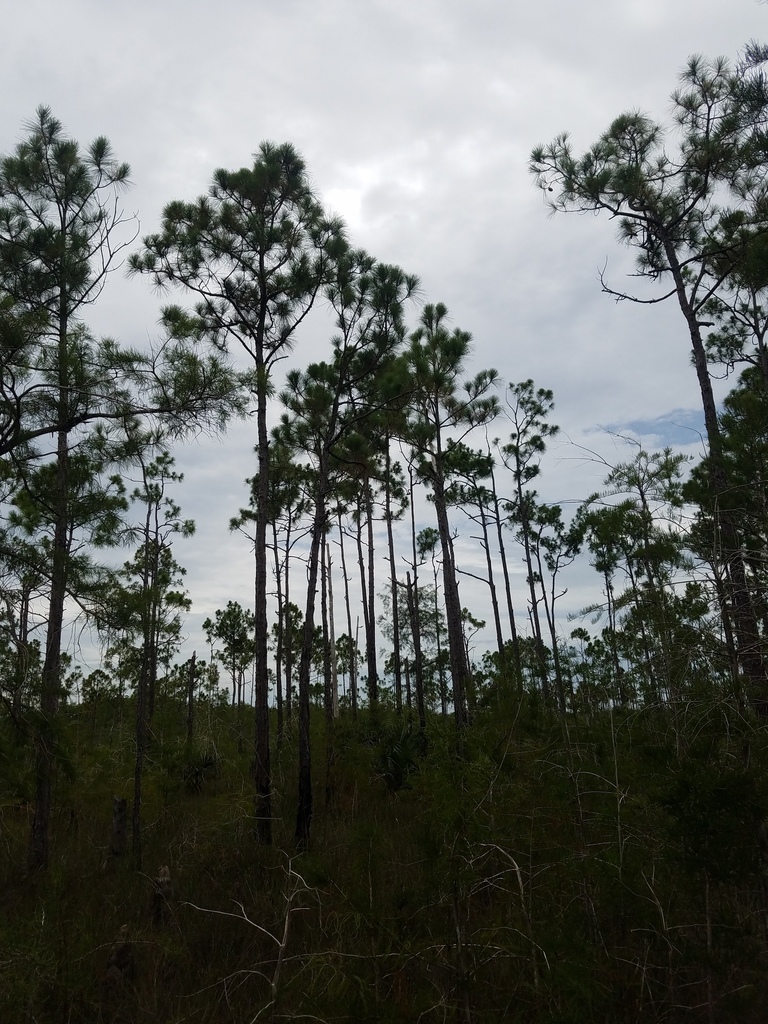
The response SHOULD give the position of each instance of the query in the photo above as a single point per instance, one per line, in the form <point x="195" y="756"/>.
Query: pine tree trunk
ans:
<point x="525" y="529"/>
<point x="50" y="682"/>
<point x="369" y="646"/>
<point x="288" y="631"/>
<point x="393" y="584"/>
<point x="332" y="636"/>
<point x="263" y="773"/>
<point x="459" y="667"/>
<point x="304" y="805"/>
<point x="279" y="646"/>
<point x="370" y="639"/>
<point x="518" y="665"/>
<point x="414" y="612"/>
<point x="352" y="641"/>
<point x="138" y="770"/>
<point x="413" y="605"/>
<point x="191" y="697"/>
<point x="491" y="580"/>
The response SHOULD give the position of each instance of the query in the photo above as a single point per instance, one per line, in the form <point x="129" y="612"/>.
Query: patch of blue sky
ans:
<point x="675" y="429"/>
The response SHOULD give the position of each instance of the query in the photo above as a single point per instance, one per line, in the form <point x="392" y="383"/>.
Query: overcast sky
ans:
<point x="416" y="119"/>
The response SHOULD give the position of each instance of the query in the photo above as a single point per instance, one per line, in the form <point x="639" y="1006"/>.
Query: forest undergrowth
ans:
<point x="611" y="869"/>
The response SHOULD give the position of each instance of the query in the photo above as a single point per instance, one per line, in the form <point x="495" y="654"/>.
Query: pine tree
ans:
<point x="254" y="253"/>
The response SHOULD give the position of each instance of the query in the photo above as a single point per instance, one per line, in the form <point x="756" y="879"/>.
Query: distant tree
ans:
<point x="64" y="396"/>
<point x="149" y="599"/>
<point x="528" y="408"/>
<point x="440" y="408"/>
<point x="744" y="426"/>
<point x="22" y="585"/>
<point x="426" y="615"/>
<point x="636" y="532"/>
<point x="232" y="627"/>
<point x="289" y="504"/>
<point x="467" y="492"/>
<point x="327" y="404"/>
<point x="346" y="656"/>
<point x="554" y="546"/>
<point x="254" y="253"/>
<point x="693" y="214"/>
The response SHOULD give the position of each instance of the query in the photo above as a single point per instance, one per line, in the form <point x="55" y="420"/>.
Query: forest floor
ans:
<point x="603" y="870"/>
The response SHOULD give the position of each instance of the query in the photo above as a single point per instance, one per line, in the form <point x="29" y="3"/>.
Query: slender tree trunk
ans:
<point x="153" y="639"/>
<point x="730" y="644"/>
<point x="141" y="746"/>
<point x="413" y="605"/>
<point x="548" y="600"/>
<point x="304" y="807"/>
<point x="370" y="640"/>
<point x="352" y="640"/>
<point x="332" y="634"/>
<point x="491" y="581"/>
<point x="50" y="682"/>
<point x="617" y="671"/>
<point x="191" y="696"/>
<point x="263" y="773"/>
<point x="518" y="665"/>
<point x="525" y="529"/>
<point x="21" y="660"/>
<point x="414" y="612"/>
<point x="459" y="667"/>
<point x="288" y="632"/>
<point x="279" y="646"/>
<point x="327" y="692"/>
<point x="370" y="648"/>
<point x="329" y="658"/>
<point x="393" y="581"/>
<point x="647" y="646"/>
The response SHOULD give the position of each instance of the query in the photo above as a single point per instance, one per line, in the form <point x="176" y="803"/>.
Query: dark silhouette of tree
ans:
<point x="151" y="600"/>
<point x="61" y="231"/>
<point x="528" y="408"/>
<point x="254" y="252"/>
<point x="692" y="214"/>
<point x="440" y="407"/>
<point x="327" y="403"/>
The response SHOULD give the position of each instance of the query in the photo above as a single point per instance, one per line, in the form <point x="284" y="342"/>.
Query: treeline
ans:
<point x="387" y="416"/>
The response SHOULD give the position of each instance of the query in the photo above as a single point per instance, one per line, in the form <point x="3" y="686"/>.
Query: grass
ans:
<point x="534" y="878"/>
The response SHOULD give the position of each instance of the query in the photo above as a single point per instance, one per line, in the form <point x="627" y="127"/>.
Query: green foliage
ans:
<point x="200" y="767"/>
<point x="716" y="811"/>
<point x="531" y="877"/>
<point x="399" y="757"/>
<point x="233" y="628"/>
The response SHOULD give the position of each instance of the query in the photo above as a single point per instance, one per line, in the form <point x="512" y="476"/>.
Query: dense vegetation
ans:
<point x="607" y="871"/>
<point x="560" y="828"/>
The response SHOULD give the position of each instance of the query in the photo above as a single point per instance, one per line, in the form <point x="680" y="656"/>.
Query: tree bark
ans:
<point x="456" y="649"/>
<point x="393" y="582"/>
<point x="517" y="661"/>
<point x="38" y="850"/>
<point x="352" y="640"/>
<point x="263" y="773"/>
